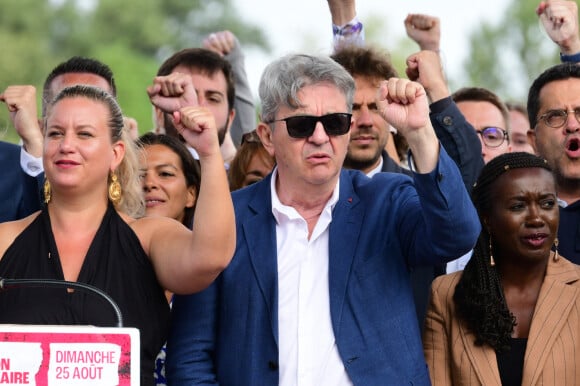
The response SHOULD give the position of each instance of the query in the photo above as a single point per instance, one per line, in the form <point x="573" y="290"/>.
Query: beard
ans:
<point x="362" y="161"/>
<point x="359" y="164"/>
<point x="171" y="131"/>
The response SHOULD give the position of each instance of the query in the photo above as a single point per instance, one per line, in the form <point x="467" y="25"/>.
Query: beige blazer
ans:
<point x="553" y="351"/>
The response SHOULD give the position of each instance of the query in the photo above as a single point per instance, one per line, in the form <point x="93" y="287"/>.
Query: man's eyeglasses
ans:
<point x="302" y="126"/>
<point x="493" y="136"/>
<point x="558" y="118"/>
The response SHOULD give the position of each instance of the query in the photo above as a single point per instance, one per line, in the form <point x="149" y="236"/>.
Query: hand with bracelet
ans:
<point x="346" y="28"/>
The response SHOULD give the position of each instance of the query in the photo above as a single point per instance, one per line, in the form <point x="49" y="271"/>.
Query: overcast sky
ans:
<point x="291" y="23"/>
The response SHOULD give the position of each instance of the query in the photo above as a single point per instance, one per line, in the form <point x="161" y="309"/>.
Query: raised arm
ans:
<point x="425" y="30"/>
<point x="450" y="226"/>
<point x="21" y="103"/>
<point x="456" y="135"/>
<point x="226" y="44"/>
<point x="404" y="105"/>
<point x="185" y="261"/>
<point x="342" y="11"/>
<point x="425" y="67"/>
<point x="560" y="21"/>
<point x="346" y="28"/>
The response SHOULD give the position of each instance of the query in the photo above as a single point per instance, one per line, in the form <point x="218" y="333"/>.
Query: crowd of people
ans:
<point x="364" y="228"/>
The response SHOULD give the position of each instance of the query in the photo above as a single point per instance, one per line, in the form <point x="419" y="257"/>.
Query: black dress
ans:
<point x="115" y="263"/>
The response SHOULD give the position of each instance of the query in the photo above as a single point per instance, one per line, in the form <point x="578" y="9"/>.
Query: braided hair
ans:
<point x="479" y="297"/>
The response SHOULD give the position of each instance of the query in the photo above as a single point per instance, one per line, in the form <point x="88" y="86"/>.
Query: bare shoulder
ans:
<point x="149" y="226"/>
<point x="11" y="229"/>
<point x="150" y="223"/>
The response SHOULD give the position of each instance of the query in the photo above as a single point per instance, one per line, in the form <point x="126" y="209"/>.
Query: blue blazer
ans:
<point x="19" y="193"/>
<point x="462" y="144"/>
<point x="380" y="227"/>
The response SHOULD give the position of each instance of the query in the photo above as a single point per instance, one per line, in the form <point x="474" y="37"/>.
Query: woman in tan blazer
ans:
<point x="512" y="317"/>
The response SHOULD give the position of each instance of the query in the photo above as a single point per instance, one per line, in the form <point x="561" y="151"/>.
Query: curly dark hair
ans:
<point x="479" y="296"/>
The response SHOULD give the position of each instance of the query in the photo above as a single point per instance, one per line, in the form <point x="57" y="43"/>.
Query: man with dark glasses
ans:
<point x="489" y="117"/>
<point x="302" y="126"/>
<point x="318" y="291"/>
<point x="554" y="113"/>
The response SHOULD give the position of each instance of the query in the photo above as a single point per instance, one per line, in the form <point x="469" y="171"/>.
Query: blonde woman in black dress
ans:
<point x="91" y="229"/>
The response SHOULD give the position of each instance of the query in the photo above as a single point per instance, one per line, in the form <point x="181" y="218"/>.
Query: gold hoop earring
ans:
<point x="115" y="191"/>
<point x="556" y="255"/>
<point x="491" y="260"/>
<point x="47" y="191"/>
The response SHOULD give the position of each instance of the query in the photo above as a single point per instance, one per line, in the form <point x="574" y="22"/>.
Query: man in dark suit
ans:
<point x="22" y="178"/>
<point x="318" y="291"/>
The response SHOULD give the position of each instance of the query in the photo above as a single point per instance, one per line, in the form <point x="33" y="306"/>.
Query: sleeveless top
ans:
<point x="115" y="263"/>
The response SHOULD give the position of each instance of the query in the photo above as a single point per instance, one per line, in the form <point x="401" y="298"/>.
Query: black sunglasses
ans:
<point x="302" y="126"/>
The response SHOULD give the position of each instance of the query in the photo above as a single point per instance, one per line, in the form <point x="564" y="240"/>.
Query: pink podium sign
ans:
<point x="69" y="356"/>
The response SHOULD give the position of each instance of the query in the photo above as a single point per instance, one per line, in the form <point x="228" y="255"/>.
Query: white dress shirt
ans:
<point x="30" y="164"/>
<point x="307" y="348"/>
<point x="377" y="169"/>
<point x="458" y="264"/>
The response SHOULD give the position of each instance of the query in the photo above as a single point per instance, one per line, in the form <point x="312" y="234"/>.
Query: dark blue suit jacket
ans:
<point x="19" y="193"/>
<point x="461" y="142"/>
<point x="380" y="228"/>
<point x="569" y="232"/>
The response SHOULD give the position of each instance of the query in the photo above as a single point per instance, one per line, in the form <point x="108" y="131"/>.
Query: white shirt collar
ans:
<point x="279" y="209"/>
<point x="377" y="169"/>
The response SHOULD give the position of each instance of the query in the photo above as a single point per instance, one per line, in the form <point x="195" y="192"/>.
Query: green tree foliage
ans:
<point x="507" y="56"/>
<point x="132" y="36"/>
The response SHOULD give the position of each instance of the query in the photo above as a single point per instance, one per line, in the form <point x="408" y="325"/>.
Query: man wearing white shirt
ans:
<point x="318" y="291"/>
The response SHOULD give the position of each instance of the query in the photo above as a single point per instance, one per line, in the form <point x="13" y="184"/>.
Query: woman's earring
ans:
<point x="47" y="192"/>
<point x="556" y="255"/>
<point x="115" y="191"/>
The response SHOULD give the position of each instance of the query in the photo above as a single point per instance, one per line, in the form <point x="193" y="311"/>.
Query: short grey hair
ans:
<point x="285" y="77"/>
